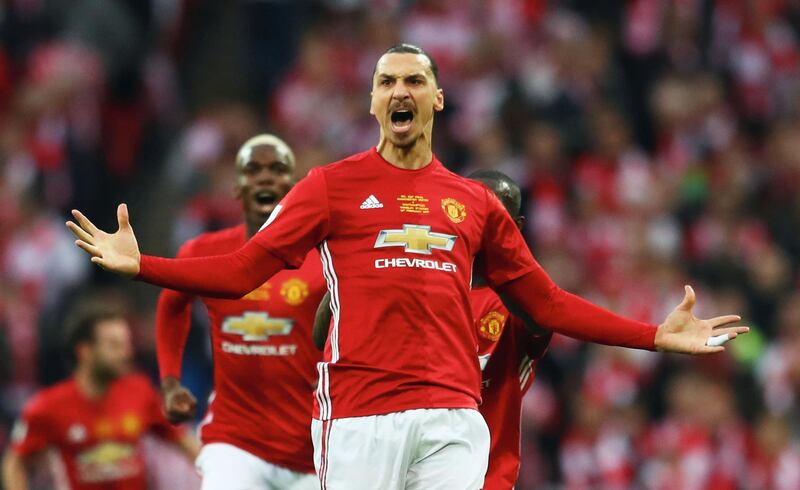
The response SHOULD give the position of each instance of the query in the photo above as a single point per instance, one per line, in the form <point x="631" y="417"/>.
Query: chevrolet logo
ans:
<point x="257" y="326"/>
<point x="416" y="239"/>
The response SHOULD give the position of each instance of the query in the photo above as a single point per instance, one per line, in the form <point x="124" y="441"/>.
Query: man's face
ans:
<point x="404" y="97"/>
<point x="265" y="177"/>
<point x="111" y="352"/>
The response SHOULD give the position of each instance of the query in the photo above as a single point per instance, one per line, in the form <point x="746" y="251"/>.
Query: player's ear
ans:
<point x="520" y="221"/>
<point x="237" y="190"/>
<point x="438" y="102"/>
<point x="371" y="110"/>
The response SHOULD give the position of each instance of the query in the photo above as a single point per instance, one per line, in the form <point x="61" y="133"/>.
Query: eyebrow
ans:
<point x="393" y="76"/>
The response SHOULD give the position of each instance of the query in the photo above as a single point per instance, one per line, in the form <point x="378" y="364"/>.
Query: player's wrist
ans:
<point x="170" y="383"/>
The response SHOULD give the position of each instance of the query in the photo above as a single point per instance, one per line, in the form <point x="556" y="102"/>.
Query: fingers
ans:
<point x="85" y="223"/>
<point x="89" y="249"/>
<point x="79" y="232"/>
<point x="122" y="216"/>
<point x="181" y="407"/>
<point x="103" y="263"/>
<point x="689" y="299"/>
<point x="723" y="320"/>
<point x="178" y="416"/>
<point x="710" y="349"/>
<point x="731" y="330"/>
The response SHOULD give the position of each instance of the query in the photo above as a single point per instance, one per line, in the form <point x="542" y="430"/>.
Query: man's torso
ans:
<point x="398" y="259"/>
<point x="98" y="441"/>
<point x="264" y="360"/>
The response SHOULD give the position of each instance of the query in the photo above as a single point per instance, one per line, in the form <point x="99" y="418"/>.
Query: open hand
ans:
<point x="116" y="252"/>
<point x="684" y="333"/>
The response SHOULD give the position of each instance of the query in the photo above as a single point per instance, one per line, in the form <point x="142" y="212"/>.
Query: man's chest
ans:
<point x="277" y="313"/>
<point x="85" y="426"/>
<point x="410" y="221"/>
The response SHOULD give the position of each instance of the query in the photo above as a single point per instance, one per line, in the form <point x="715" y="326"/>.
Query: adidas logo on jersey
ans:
<point x="371" y="202"/>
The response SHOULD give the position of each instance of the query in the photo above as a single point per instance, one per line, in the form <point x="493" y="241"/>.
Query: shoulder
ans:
<point x="134" y="386"/>
<point x="349" y="162"/>
<point x="137" y="381"/>
<point x="469" y="185"/>
<point x="47" y="399"/>
<point x="478" y="198"/>
<point x="343" y="167"/>
<point x="213" y="242"/>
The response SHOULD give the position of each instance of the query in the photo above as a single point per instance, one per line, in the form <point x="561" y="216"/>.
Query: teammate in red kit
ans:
<point x="94" y="421"/>
<point x="509" y="349"/>
<point x="396" y="402"/>
<point x="256" y="431"/>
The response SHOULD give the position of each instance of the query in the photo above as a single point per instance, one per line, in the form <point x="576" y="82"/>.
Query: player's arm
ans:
<point x="15" y="475"/>
<point x="322" y="321"/>
<point x="512" y="271"/>
<point x="29" y="437"/>
<point x="181" y="438"/>
<point x="173" y="321"/>
<point x="189" y="446"/>
<point x="296" y="225"/>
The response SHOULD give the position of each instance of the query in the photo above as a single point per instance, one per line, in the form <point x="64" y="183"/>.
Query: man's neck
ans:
<point x="88" y="385"/>
<point x="413" y="157"/>
<point x="251" y="228"/>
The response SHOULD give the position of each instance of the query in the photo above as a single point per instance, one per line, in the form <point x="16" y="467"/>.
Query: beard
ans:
<point x="104" y="373"/>
<point x="406" y="143"/>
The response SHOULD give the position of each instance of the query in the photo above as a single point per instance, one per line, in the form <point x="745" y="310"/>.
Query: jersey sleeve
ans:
<point x="32" y="431"/>
<point x="173" y="321"/>
<point x="505" y="255"/>
<point x="300" y="222"/>
<point x="568" y="314"/>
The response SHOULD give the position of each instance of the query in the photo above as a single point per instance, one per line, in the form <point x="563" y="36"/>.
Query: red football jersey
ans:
<point x="97" y="441"/>
<point x="508" y="355"/>
<point x="397" y="248"/>
<point x="264" y="358"/>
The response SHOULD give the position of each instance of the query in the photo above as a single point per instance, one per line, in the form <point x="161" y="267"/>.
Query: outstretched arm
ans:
<point x="322" y="321"/>
<point x="220" y="276"/>
<point x="297" y="224"/>
<point x="573" y="316"/>
<point x="512" y="270"/>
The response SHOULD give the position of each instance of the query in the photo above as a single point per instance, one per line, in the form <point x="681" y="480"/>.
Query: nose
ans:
<point x="400" y="92"/>
<point x="265" y="175"/>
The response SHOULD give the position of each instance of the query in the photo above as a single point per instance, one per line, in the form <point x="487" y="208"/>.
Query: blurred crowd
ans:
<point x="657" y="143"/>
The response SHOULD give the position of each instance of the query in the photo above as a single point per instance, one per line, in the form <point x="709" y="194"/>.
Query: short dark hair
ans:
<point x="81" y="326"/>
<point x="411" y="49"/>
<point x="504" y="188"/>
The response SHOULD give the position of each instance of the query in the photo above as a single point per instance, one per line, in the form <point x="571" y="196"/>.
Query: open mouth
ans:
<point x="401" y="120"/>
<point x="265" y="198"/>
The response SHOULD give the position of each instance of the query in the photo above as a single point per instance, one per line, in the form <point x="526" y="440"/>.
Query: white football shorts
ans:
<point x="226" y="467"/>
<point x="426" y="449"/>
